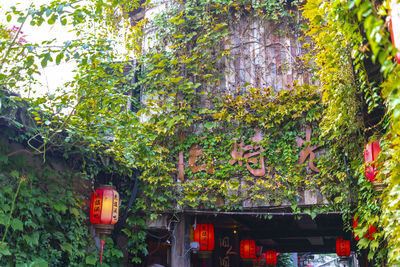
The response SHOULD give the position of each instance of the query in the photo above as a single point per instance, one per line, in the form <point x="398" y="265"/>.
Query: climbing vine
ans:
<point x="183" y="66"/>
<point x="358" y="32"/>
<point x="185" y="108"/>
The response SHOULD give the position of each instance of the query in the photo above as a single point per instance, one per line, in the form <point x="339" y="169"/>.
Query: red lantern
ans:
<point x="355" y="224"/>
<point x="394" y="24"/>
<point x="248" y="249"/>
<point x="342" y="247"/>
<point x="371" y="230"/>
<point x="204" y="235"/>
<point x="104" y="208"/>
<point x="371" y="153"/>
<point x="271" y="257"/>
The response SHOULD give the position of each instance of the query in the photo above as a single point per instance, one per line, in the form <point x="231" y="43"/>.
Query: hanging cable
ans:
<point x="121" y="222"/>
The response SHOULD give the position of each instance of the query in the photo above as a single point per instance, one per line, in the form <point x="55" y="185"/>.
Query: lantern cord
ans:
<point x="102" y="242"/>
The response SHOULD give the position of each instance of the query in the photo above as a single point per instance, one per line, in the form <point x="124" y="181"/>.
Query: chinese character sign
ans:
<point x="194" y="153"/>
<point x="251" y="153"/>
<point x="307" y="151"/>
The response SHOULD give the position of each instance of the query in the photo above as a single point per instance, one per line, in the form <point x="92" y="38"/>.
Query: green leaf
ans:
<point x="91" y="259"/>
<point x="8" y="17"/>
<point x="21" y="19"/>
<point x="58" y="235"/>
<point x="210" y="125"/>
<point x="29" y="61"/>
<point x="374" y="244"/>
<point x="52" y="20"/>
<point x="176" y="79"/>
<point x="39" y="262"/>
<point x="48" y="12"/>
<point x="59" y="8"/>
<point x="32" y="240"/>
<point x="313" y="214"/>
<point x="4" y="249"/>
<point x="127" y="232"/>
<point x="17" y="225"/>
<point x="59" y="58"/>
<point x="44" y="62"/>
<point x="3" y="158"/>
<point x="74" y="211"/>
<point x="117" y="253"/>
<point x="66" y="247"/>
<point x="15" y="174"/>
<point x="60" y="207"/>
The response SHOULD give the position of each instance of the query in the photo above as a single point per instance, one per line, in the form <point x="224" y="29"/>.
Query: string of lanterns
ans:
<point x="204" y="235"/>
<point x="104" y="210"/>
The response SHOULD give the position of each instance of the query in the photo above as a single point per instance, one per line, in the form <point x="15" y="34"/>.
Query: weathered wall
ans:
<point x="265" y="54"/>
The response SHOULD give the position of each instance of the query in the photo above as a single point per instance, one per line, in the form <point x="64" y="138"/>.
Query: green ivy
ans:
<point x="41" y="222"/>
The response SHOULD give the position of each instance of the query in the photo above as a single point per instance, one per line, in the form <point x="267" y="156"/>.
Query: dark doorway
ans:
<point x="284" y="233"/>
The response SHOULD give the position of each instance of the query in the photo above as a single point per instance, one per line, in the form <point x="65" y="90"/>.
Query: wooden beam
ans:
<point x="180" y="254"/>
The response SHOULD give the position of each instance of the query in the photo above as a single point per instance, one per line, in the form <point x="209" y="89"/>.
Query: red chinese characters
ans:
<point x="248" y="249"/>
<point x="104" y="206"/>
<point x="271" y="257"/>
<point x="249" y="152"/>
<point x="204" y="235"/>
<point x="308" y="151"/>
<point x="342" y="247"/>
<point x="195" y="152"/>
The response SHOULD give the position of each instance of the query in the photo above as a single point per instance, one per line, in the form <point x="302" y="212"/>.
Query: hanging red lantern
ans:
<point x="394" y="24"/>
<point x="369" y="234"/>
<point x="248" y="249"/>
<point x="271" y="257"/>
<point x="342" y="247"/>
<point x="371" y="152"/>
<point x="204" y="235"/>
<point x="355" y="224"/>
<point x="104" y="209"/>
<point x="371" y="230"/>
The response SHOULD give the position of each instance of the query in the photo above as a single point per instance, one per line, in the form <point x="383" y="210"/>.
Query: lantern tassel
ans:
<point x="102" y="242"/>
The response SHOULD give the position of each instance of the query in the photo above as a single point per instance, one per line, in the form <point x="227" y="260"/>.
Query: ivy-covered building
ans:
<point x="245" y="150"/>
<point x="237" y="131"/>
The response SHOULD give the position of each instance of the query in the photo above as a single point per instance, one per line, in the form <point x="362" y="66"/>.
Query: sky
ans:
<point x="53" y="75"/>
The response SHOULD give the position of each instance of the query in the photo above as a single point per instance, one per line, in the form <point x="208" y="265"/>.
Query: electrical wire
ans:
<point x="157" y="237"/>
